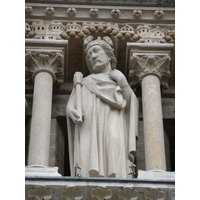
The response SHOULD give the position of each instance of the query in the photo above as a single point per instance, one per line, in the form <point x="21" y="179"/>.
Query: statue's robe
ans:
<point x="105" y="143"/>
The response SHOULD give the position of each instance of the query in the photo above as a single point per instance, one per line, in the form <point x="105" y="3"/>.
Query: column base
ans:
<point x="156" y="174"/>
<point x="41" y="170"/>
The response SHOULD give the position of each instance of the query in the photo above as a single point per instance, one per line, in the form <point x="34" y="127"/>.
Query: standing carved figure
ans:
<point x="104" y="143"/>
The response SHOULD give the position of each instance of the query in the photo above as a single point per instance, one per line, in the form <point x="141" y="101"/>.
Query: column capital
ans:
<point x="144" y="64"/>
<point x="44" y="60"/>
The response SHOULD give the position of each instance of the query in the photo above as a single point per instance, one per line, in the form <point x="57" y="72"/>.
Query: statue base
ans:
<point x="41" y="170"/>
<point x="156" y="174"/>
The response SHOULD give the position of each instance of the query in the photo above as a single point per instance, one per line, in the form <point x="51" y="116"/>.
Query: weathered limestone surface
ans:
<point x="153" y="125"/>
<point x="41" y="120"/>
<point x="53" y="144"/>
<point x="159" y="174"/>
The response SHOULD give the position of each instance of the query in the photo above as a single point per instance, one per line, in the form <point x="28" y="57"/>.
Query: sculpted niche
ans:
<point x="102" y="115"/>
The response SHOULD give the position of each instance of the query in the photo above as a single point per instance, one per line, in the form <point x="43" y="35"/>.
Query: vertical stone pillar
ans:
<point x="43" y="67"/>
<point x="41" y="120"/>
<point x="151" y="71"/>
<point x="153" y="124"/>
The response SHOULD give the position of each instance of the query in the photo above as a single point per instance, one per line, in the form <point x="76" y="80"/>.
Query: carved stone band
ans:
<point x="144" y="64"/>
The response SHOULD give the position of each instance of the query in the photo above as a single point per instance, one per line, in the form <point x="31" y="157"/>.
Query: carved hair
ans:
<point x="106" y="46"/>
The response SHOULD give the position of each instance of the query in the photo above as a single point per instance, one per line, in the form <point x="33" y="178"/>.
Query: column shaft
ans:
<point x="41" y="120"/>
<point x="153" y="123"/>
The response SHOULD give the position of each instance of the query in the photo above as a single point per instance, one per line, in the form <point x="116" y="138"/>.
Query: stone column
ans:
<point x="151" y="70"/>
<point x="44" y="67"/>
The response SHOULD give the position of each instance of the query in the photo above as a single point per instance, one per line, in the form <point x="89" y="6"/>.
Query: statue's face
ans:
<point x="97" y="58"/>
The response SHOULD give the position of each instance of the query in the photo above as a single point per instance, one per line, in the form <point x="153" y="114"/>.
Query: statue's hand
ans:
<point x="72" y="113"/>
<point x="117" y="76"/>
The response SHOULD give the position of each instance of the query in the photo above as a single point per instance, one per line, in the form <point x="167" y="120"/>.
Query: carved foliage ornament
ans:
<point x="154" y="194"/>
<point x="51" y="62"/>
<point x="71" y="193"/>
<point x="137" y="13"/>
<point x="28" y="9"/>
<point x="93" y="12"/>
<point x="71" y="11"/>
<point x="49" y="10"/>
<point x="127" y="194"/>
<point x="40" y="193"/>
<point x="115" y="12"/>
<point x="159" y="14"/>
<point x="146" y="64"/>
<point x="100" y="193"/>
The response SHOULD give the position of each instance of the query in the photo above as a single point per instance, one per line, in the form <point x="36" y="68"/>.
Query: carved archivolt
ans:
<point x="40" y="193"/>
<point x="60" y="30"/>
<point x="100" y="193"/>
<point x="127" y="194"/>
<point x="154" y="194"/>
<point x="71" y="193"/>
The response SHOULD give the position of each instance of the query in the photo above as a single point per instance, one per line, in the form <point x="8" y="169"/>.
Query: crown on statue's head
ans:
<point x="89" y="42"/>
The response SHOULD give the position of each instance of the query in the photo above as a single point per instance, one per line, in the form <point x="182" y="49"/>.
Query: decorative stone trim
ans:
<point x="115" y="12"/>
<point x="71" y="11"/>
<point x="37" y="30"/>
<point x="137" y="14"/>
<point x="49" y="11"/>
<point x="170" y="37"/>
<point x="71" y="193"/>
<point x="40" y="193"/>
<point x="60" y="30"/>
<point x="44" y="61"/>
<point x="127" y="194"/>
<point x="154" y="194"/>
<point x="94" y="12"/>
<point x="90" y="185"/>
<point x="159" y="14"/>
<point x="28" y="9"/>
<point x="27" y="30"/>
<point x="100" y="193"/>
<point x="125" y="15"/>
<point x="55" y="30"/>
<point x="144" y="64"/>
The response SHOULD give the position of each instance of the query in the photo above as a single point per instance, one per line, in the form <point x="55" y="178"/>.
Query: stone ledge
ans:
<point x="82" y="13"/>
<point x="84" y="186"/>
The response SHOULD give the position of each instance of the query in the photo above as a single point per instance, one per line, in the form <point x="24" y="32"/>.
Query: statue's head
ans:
<point x="104" y="50"/>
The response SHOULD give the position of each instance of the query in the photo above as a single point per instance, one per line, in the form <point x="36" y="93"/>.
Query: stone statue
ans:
<point x="104" y="143"/>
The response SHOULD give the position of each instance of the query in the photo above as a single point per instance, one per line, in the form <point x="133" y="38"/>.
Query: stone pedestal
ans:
<point x="41" y="170"/>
